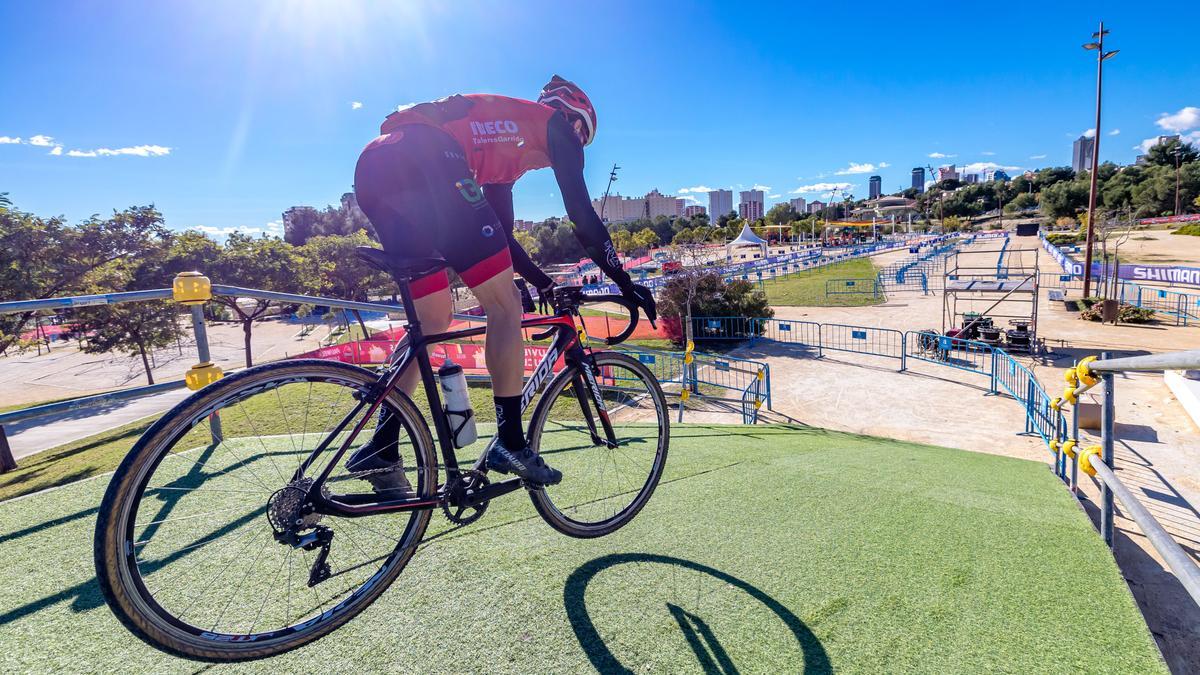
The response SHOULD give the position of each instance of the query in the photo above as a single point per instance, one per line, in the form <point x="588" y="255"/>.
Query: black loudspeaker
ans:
<point x="1027" y="230"/>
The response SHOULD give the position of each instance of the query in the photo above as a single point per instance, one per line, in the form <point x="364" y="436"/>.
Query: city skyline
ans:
<point x="246" y="109"/>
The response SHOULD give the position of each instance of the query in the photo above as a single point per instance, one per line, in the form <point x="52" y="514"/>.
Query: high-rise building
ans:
<point x="720" y="203"/>
<point x="876" y="187"/>
<point x="970" y="178"/>
<point x="523" y="225"/>
<point x="658" y="204"/>
<point x="918" y="179"/>
<point x="816" y="206"/>
<point x="1081" y="153"/>
<point x="751" y="205"/>
<point x="693" y="210"/>
<point x="948" y="172"/>
<point x="996" y="174"/>
<point x="799" y="205"/>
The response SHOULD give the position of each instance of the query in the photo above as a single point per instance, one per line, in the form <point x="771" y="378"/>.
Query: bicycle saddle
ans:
<point x="400" y="268"/>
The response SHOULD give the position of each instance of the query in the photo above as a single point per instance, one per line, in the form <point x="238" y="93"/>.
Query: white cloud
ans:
<point x="980" y="167"/>
<point x="690" y="198"/>
<point x="695" y="188"/>
<point x="1114" y="132"/>
<point x="355" y="105"/>
<point x="821" y="187"/>
<point x="1144" y="146"/>
<point x="41" y="141"/>
<point x="940" y="155"/>
<point x="774" y="196"/>
<point x="137" y="150"/>
<point x="987" y="153"/>
<point x="1187" y="118"/>
<point x="275" y="227"/>
<point x="81" y="153"/>
<point x="764" y="188"/>
<point x="5" y="140"/>
<point x="404" y="106"/>
<point x="1090" y="133"/>
<point x="56" y="151"/>
<point x="860" y="168"/>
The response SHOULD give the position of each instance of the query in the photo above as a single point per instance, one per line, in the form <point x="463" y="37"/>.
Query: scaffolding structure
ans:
<point x="996" y="284"/>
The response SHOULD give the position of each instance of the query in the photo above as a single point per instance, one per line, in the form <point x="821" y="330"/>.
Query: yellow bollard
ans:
<point x="202" y="375"/>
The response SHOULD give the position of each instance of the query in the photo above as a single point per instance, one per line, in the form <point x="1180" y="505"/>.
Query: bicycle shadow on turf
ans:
<point x="711" y="656"/>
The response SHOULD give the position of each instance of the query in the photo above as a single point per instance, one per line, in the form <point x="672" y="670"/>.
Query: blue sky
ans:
<point x="225" y="113"/>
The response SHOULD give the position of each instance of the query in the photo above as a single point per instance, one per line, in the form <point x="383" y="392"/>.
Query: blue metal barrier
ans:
<point x="968" y="355"/>
<point x="864" y="340"/>
<point x="862" y="286"/>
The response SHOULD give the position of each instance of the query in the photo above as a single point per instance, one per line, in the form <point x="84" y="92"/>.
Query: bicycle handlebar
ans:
<point x="629" y="306"/>
<point x="569" y="298"/>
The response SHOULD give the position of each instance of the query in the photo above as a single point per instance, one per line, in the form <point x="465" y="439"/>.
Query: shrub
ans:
<point x="711" y="296"/>
<point x="1066" y="221"/>
<point x="1063" y="238"/>
<point x="1126" y="313"/>
<point x="1193" y="229"/>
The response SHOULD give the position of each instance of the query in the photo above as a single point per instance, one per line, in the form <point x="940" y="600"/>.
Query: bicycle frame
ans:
<point x="566" y="343"/>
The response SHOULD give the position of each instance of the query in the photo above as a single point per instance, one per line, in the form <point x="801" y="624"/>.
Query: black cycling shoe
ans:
<point x="386" y="477"/>
<point x="524" y="462"/>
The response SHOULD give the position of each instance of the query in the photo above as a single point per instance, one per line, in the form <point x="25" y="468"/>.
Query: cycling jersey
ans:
<point x="503" y="137"/>
<point x="412" y="182"/>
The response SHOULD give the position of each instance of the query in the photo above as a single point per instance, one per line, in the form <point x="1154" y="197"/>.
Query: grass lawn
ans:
<point x="807" y="289"/>
<point x="765" y="549"/>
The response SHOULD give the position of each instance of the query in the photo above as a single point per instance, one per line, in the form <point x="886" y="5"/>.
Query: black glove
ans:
<point x="643" y="298"/>
<point x="546" y="295"/>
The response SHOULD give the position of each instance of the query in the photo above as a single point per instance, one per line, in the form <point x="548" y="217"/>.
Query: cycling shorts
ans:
<point x="415" y="187"/>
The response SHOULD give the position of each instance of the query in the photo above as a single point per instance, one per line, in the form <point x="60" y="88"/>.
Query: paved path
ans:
<point x="33" y="436"/>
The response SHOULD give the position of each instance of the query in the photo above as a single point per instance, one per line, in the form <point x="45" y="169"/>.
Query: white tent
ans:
<point x="747" y="238"/>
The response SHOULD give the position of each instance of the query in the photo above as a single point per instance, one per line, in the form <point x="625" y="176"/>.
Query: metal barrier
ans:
<point x="943" y="350"/>
<point x="864" y="340"/>
<point x="862" y="286"/>
<point x="710" y="377"/>
<point x="1098" y="460"/>
<point x="1184" y="307"/>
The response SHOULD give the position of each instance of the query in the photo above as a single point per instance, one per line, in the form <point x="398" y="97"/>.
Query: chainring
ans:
<point x="456" y="490"/>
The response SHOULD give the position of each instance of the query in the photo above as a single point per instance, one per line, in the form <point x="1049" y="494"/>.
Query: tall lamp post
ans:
<point x="1101" y="57"/>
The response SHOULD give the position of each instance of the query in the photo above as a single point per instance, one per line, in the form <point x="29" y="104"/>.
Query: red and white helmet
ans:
<point x="564" y="95"/>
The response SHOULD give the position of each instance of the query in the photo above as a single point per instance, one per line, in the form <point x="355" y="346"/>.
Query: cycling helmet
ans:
<point x="564" y="95"/>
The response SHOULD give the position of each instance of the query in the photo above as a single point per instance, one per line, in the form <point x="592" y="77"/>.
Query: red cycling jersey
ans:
<point x="503" y="137"/>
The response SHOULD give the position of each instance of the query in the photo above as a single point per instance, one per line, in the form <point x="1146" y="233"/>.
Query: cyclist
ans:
<point x="438" y="180"/>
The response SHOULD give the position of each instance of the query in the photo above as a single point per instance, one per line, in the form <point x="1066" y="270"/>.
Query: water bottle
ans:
<point x="457" y="404"/>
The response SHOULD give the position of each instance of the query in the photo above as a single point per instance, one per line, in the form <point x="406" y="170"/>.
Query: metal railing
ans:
<point x="1100" y="461"/>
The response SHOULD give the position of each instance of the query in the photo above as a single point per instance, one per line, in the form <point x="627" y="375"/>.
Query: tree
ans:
<point x="136" y="328"/>
<point x="336" y="271"/>
<point x="645" y="240"/>
<point x="43" y="258"/>
<point x="264" y="263"/>
<point x="951" y="224"/>
<point x="1163" y="154"/>
<point x="782" y="214"/>
<point x="698" y="292"/>
<point x="1065" y="198"/>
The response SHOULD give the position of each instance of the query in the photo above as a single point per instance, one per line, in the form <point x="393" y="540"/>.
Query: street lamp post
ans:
<point x="1101" y="57"/>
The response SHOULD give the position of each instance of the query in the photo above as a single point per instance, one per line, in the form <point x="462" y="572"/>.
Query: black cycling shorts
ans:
<point x="415" y="187"/>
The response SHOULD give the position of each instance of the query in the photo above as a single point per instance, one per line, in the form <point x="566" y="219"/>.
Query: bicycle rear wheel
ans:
<point x="188" y="548"/>
<point x="604" y="484"/>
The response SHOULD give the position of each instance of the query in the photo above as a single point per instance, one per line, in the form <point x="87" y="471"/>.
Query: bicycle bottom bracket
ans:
<point x="456" y="504"/>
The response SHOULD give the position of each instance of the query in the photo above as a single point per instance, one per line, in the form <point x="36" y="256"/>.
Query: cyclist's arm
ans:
<point x="566" y="158"/>
<point x="500" y="197"/>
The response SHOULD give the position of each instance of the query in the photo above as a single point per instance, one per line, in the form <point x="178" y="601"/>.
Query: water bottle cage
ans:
<point x="466" y="416"/>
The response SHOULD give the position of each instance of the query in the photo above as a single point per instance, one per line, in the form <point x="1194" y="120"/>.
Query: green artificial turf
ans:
<point x="807" y="289"/>
<point x="765" y="549"/>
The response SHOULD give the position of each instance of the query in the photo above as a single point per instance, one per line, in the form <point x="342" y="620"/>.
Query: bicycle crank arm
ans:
<point x="490" y="492"/>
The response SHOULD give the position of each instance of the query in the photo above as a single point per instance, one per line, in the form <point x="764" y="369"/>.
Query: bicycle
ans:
<point x="205" y="531"/>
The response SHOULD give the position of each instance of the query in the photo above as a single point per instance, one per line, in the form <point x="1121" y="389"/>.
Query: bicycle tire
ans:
<point x="130" y="600"/>
<point x="543" y="500"/>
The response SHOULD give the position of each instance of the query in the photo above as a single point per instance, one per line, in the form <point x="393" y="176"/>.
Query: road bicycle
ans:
<point x="247" y="536"/>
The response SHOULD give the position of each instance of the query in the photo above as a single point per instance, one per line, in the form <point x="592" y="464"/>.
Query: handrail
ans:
<point x="1173" y="554"/>
<point x="1170" y="361"/>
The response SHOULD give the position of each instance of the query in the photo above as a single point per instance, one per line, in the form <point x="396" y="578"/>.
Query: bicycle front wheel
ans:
<point x="609" y="469"/>
<point x="198" y="543"/>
